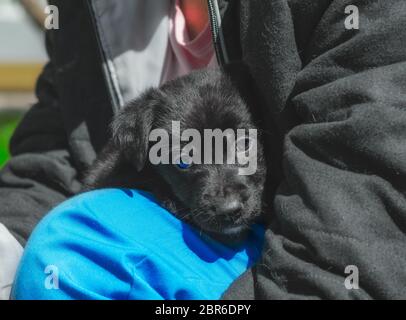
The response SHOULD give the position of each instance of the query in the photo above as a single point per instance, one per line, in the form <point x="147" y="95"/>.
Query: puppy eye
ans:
<point x="183" y="165"/>
<point x="244" y="144"/>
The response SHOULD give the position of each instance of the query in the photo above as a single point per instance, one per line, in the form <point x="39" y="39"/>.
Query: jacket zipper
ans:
<point x="114" y="97"/>
<point x="217" y="36"/>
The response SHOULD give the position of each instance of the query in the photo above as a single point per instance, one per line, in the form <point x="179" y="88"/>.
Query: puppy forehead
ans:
<point x="215" y="113"/>
<point x="204" y="100"/>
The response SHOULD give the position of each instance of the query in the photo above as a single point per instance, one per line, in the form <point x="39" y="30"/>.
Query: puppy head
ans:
<point x="218" y="197"/>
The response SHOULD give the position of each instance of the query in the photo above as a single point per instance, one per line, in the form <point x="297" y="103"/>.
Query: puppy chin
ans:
<point x="230" y="235"/>
<point x="234" y="230"/>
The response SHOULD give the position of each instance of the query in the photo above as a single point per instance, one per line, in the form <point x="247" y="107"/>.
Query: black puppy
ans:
<point x="216" y="198"/>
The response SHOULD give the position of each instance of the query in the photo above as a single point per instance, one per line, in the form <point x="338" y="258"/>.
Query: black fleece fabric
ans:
<point x="335" y="104"/>
<point x="61" y="134"/>
<point x="338" y="99"/>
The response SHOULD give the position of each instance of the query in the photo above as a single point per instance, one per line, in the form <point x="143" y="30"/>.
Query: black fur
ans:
<point x="206" y="99"/>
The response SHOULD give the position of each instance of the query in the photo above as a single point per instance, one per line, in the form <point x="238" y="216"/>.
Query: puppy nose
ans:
<point x="229" y="206"/>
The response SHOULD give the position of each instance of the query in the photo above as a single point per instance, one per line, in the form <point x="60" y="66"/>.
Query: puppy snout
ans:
<point x="239" y="189"/>
<point x="229" y="206"/>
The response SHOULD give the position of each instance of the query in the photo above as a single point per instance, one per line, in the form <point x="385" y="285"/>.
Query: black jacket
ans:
<point x="335" y="103"/>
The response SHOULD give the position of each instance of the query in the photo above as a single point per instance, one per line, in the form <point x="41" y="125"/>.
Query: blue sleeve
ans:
<point x="120" y="244"/>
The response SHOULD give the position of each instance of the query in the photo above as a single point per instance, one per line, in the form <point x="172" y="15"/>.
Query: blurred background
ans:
<point x="22" y="56"/>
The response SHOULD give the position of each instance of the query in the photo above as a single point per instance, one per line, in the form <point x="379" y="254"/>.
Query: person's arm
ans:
<point x="39" y="174"/>
<point x="37" y="177"/>
<point x="10" y="254"/>
<point x="340" y="211"/>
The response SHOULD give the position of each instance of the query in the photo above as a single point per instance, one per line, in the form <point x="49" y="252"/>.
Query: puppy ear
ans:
<point x="132" y="125"/>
